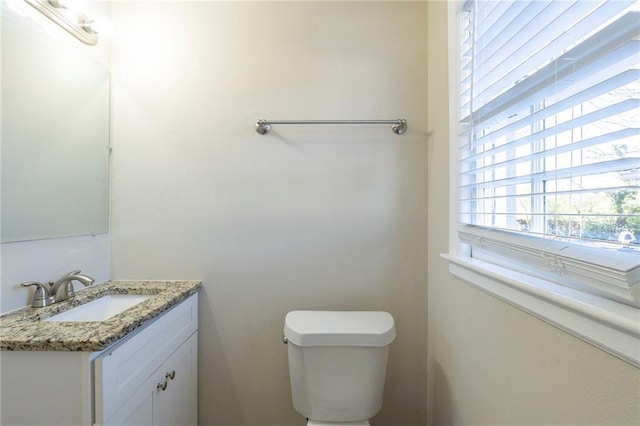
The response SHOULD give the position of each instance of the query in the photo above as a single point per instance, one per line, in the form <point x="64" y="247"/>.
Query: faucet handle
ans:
<point x="41" y="296"/>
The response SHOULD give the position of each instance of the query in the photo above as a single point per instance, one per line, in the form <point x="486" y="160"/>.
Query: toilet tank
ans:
<point x="337" y="362"/>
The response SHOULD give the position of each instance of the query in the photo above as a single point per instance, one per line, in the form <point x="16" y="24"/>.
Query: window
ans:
<point x="548" y="155"/>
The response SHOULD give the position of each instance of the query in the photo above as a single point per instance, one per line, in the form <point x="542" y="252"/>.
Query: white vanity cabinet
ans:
<point x="147" y="378"/>
<point x="161" y="400"/>
<point x="151" y="379"/>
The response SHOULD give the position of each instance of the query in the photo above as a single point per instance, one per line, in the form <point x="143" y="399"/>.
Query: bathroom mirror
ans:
<point x="55" y="134"/>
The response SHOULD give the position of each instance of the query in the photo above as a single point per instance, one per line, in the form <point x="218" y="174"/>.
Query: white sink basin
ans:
<point x="100" y="309"/>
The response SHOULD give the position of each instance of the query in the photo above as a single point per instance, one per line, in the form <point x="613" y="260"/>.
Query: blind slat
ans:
<point x="570" y="172"/>
<point x="598" y="115"/>
<point x="610" y="40"/>
<point x="594" y="190"/>
<point x="509" y="24"/>
<point x="581" y="144"/>
<point x="561" y="101"/>
<point x="527" y="39"/>
<point x="554" y="37"/>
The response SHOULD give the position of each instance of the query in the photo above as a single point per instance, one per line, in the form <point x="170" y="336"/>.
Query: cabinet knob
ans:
<point x="171" y="375"/>
<point x="162" y="386"/>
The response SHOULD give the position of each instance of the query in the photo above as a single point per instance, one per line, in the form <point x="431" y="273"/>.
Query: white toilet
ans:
<point x="337" y="364"/>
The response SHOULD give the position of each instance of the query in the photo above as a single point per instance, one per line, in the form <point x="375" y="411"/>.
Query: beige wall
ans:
<point x="490" y="363"/>
<point x="303" y="218"/>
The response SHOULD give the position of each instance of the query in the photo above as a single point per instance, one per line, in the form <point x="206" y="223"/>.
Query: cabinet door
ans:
<point x="177" y="404"/>
<point x="139" y="414"/>
<point x="123" y="370"/>
<point x="138" y="409"/>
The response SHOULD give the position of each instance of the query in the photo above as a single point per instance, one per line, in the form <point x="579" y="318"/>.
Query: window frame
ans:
<point x="605" y="323"/>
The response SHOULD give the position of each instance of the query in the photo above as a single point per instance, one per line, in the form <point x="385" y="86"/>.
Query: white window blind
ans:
<point x="549" y="152"/>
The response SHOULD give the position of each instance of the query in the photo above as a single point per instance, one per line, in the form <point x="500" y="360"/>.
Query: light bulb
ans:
<point x="98" y="26"/>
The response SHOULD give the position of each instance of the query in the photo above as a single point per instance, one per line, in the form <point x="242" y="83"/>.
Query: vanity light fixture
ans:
<point x="68" y="15"/>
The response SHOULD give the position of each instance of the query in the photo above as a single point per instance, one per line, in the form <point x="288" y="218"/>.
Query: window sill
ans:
<point x="611" y="326"/>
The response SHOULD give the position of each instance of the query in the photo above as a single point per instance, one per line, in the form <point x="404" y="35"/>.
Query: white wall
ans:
<point x="302" y="218"/>
<point x="490" y="363"/>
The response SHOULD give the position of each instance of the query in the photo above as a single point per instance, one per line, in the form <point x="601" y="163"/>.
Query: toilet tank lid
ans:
<point x="339" y="328"/>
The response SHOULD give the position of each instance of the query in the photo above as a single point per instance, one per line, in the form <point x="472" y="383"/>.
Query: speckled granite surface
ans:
<point x="23" y="330"/>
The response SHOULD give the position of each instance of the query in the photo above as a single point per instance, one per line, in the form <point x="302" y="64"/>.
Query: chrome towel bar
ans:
<point x="398" y="126"/>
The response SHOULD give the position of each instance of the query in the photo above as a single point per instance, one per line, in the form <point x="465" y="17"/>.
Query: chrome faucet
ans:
<point x="47" y="294"/>
<point x="66" y="283"/>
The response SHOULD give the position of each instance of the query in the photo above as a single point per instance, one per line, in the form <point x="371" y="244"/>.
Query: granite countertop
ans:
<point x="23" y="330"/>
